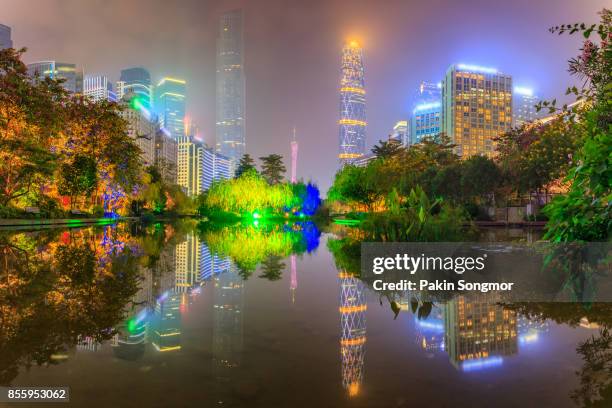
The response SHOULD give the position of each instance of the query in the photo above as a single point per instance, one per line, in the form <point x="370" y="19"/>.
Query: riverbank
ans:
<point x="54" y="222"/>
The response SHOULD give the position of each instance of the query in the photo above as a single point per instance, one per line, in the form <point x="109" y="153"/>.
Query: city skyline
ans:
<point x="286" y="48"/>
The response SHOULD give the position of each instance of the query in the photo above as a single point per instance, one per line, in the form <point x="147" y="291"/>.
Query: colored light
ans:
<point x="427" y="106"/>
<point x="353" y="342"/>
<point x="256" y="215"/>
<point x="169" y="79"/>
<point x="523" y="91"/>
<point x="350" y="155"/>
<point x="476" y="68"/>
<point x="353" y="309"/>
<point x="354" y="44"/>
<point x="352" y="122"/>
<point x="482" y="363"/>
<point x="353" y="89"/>
<point x="430" y="325"/>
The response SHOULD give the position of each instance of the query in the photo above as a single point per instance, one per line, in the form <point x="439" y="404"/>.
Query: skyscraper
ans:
<point x="140" y="126"/>
<point x="476" y="107"/>
<point x="138" y="81"/>
<point x="401" y="133"/>
<point x="73" y="78"/>
<point x="523" y="109"/>
<point x="230" y="109"/>
<point x="189" y="165"/>
<point x="216" y="167"/>
<point x="170" y="105"/>
<point x="5" y="37"/>
<point x="98" y="88"/>
<point x="425" y="119"/>
<point x="352" y="105"/>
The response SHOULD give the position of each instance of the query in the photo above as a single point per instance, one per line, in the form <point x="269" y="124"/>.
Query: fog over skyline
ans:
<point x="292" y="55"/>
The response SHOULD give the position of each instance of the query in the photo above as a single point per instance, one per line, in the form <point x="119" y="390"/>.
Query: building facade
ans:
<point x="98" y="88"/>
<point x="5" y="37"/>
<point x="141" y="127"/>
<point x="427" y="112"/>
<point x="170" y="105"/>
<point x="189" y="165"/>
<point x="216" y="167"/>
<point x="401" y="133"/>
<point x="73" y="78"/>
<point x="523" y="109"/>
<point x="352" y="121"/>
<point x="476" y="108"/>
<point x="166" y="151"/>
<point x="230" y="87"/>
<point x="136" y="80"/>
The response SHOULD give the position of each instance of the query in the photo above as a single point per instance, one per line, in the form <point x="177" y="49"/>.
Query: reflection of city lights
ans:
<point x="482" y="363"/>
<point x="476" y="68"/>
<point x="353" y="309"/>
<point x="529" y="338"/>
<point x="353" y="389"/>
<point x="430" y="325"/>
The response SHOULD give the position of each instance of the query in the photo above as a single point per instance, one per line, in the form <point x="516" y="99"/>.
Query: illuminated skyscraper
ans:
<point x="138" y="81"/>
<point x="170" y="105"/>
<point x="98" y="88"/>
<point x="73" y="78"/>
<point x="352" y="105"/>
<point x="215" y="167"/>
<point x="166" y="151"/>
<point x="230" y="114"/>
<point x="353" y="336"/>
<point x="140" y="125"/>
<point x="401" y="133"/>
<point x="476" y="108"/>
<point x="5" y="37"/>
<point x="294" y="157"/>
<point x="523" y="109"/>
<point x="189" y="165"/>
<point x="425" y="119"/>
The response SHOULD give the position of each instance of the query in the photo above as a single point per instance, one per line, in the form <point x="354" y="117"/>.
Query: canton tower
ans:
<point x="352" y="105"/>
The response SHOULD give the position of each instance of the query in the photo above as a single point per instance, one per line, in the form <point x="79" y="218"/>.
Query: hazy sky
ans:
<point x="293" y="54"/>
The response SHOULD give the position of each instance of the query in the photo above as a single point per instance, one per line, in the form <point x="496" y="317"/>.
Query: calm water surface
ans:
<point x="297" y="332"/>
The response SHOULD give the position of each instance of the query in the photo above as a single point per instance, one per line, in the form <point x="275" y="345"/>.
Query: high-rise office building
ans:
<point x="400" y="133"/>
<point x="140" y="126"/>
<point x="138" y="81"/>
<point x="294" y="158"/>
<point x="170" y="105"/>
<point x="523" y="109"/>
<point x="98" y="88"/>
<point x="73" y="78"/>
<point x="5" y="37"/>
<point x="189" y="262"/>
<point x="476" y="108"/>
<point x="230" y="92"/>
<point x="166" y="151"/>
<point x="189" y="165"/>
<point x="352" y="105"/>
<point x="216" y="167"/>
<point x="426" y="115"/>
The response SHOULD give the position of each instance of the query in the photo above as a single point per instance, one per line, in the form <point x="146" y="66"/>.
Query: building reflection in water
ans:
<point x="430" y="331"/>
<point x="353" y="331"/>
<point x="293" y="284"/>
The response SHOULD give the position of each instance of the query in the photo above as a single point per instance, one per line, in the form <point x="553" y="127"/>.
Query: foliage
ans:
<point x="386" y="149"/>
<point x="272" y="168"/>
<point x="246" y="164"/>
<point x="78" y="177"/>
<point x="584" y="213"/>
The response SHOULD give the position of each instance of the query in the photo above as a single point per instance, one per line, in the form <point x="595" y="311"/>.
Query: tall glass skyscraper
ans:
<point x="73" y="78"/>
<point x="138" y="81"/>
<point x="476" y="108"/>
<point x="352" y="105"/>
<point x="5" y="37"/>
<point x="230" y="114"/>
<point x="170" y="105"/>
<point x="425" y="120"/>
<point x="98" y="88"/>
<point x="523" y="108"/>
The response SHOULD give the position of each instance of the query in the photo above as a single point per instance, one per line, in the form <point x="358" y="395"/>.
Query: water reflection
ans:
<point x="133" y="292"/>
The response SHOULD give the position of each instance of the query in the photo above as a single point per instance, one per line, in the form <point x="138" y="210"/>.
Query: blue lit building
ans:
<point x="138" y="81"/>
<point x="215" y="167"/>
<point x="352" y="121"/>
<point x="170" y="105"/>
<point x="98" y="88"/>
<point x="426" y="115"/>
<point x="5" y="37"/>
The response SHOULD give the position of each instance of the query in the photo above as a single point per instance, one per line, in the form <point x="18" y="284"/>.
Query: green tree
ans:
<point x="246" y="164"/>
<point x="78" y="177"/>
<point x="386" y="149"/>
<point x="480" y="177"/>
<point x="272" y="268"/>
<point x="272" y="168"/>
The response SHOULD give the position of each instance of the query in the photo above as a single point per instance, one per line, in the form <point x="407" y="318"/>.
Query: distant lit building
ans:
<point x="189" y="262"/>
<point x="401" y="133"/>
<point x="73" y="78"/>
<point x="230" y="88"/>
<point x="476" y="108"/>
<point x="5" y="37"/>
<point x="426" y="115"/>
<point x="166" y="151"/>
<point x="189" y="165"/>
<point x="98" y="88"/>
<point x="170" y="105"/>
<point x="479" y="332"/>
<point x="136" y="80"/>
<point x="141" y="127"/>
<point x="352" y="121"/>
<point x="167" y="322"/>
<point x="215" y="167"/>
<point x="363" y="160"/>
<point x="523" y="109"/>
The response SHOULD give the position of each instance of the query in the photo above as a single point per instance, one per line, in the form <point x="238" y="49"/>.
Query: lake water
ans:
<point x="161" y="316"/>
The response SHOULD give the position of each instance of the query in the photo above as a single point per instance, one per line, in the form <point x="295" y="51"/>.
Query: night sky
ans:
<point x="293" y="54"/>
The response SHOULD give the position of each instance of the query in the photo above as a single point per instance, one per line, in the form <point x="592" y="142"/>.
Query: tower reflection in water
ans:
<point x="353" y="331"/>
